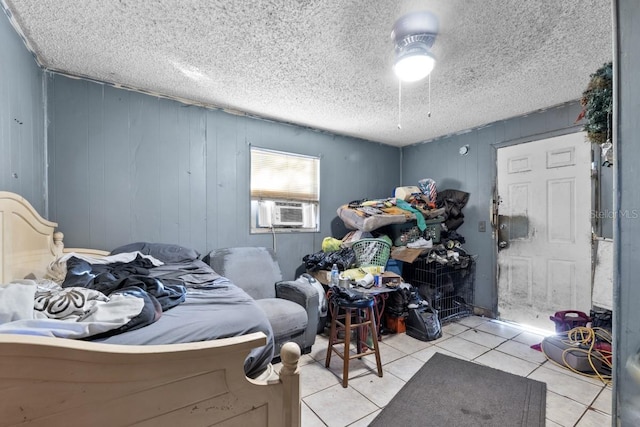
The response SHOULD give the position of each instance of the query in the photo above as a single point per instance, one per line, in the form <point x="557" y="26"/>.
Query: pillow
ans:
<point x="165" y="252"/>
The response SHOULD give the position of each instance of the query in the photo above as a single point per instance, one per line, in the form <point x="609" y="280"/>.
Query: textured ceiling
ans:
<point x="328" y="64"/>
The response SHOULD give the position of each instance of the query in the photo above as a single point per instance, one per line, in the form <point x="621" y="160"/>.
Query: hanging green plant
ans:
<point x="597" y="105"/>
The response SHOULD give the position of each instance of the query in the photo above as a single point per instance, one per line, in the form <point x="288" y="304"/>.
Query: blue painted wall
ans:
<point x="22" y="136"/>
<point x="125" y="167"/>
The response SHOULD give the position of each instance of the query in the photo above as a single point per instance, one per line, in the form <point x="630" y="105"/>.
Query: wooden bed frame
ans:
<point x="60" y="382"/>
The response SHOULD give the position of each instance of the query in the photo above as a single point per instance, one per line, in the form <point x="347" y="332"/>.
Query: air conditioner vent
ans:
<point x="288" y="214"/>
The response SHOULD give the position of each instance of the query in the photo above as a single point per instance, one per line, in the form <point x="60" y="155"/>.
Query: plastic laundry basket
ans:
<point x="371" y="252"/>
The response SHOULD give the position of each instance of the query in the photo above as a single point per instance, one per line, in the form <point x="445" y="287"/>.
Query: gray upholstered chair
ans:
<point x="291" y="307"/>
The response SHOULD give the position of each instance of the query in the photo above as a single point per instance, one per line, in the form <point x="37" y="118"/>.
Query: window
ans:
<point x="285" y="191"/>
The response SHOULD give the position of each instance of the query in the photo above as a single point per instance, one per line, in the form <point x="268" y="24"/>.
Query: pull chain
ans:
<point x="429" y="112"/>
<point x="400" y="101"/>
<point x="399" y="104"/>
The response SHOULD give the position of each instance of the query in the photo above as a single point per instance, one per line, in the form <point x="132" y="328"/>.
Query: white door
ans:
<point x="544" y="229"/>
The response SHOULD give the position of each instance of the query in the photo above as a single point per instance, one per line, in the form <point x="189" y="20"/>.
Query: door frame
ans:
<point x="494" y="182"/>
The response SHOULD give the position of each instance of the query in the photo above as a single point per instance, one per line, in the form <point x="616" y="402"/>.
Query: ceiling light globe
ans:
<point x="411" y="68"/>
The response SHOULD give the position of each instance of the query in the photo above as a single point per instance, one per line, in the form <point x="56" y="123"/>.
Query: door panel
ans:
<point x="561" y="277"/>
<point x="561" y="211"/>
<point x="520" y="280"/>
<point x="544" y="260"/>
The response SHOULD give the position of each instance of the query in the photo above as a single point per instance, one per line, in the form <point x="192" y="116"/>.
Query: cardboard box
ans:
<point x="389" y="278"/>
<point x="322" y="276"/>
<point x="402" y="253"/>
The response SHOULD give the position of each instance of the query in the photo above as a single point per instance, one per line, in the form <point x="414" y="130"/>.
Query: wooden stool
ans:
<point x="353" y="315"/>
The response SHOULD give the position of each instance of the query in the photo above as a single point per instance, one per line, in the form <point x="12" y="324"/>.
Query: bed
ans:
<point x="112" y="379"/>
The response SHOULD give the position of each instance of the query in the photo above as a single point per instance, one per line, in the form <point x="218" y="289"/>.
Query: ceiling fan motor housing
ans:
<point x="413" y="36"/>
<point x="414" y="44"/>
<point x="422" y="23"/>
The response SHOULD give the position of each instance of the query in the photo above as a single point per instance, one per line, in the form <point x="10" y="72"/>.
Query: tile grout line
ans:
<point x="435" y="347"/>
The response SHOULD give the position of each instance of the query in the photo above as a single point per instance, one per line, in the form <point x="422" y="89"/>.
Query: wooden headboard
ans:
<point x="28" y="242"/>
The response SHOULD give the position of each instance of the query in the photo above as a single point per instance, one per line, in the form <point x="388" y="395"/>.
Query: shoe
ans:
<point x="420" y="243"/>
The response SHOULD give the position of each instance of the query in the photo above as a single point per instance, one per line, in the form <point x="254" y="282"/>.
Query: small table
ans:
<point x="380" y="295"/>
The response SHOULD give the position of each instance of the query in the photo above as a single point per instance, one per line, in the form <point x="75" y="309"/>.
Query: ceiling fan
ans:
<point x="413" y="35"/>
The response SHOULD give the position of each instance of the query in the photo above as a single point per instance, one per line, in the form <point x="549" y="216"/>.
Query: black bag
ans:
<point x="452" y="201"/>
<point x="423" y="324"/>
<point x="339" y="295"/>
<point x="344" y="258"/>
<point x="397" y="302"/>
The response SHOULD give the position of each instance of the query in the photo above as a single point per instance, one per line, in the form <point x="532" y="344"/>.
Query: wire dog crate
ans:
<point x="447" y="287"/>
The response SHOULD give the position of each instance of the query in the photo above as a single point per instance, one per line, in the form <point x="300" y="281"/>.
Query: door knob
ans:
<point x="502" y="244"/>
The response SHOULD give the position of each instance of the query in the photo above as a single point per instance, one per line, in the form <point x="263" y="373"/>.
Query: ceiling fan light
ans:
<point x="411" y="68"/>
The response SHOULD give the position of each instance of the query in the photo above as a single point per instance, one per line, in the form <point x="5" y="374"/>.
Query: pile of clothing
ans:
<point x="452" y="201"/>
<point x="344" y="258"/>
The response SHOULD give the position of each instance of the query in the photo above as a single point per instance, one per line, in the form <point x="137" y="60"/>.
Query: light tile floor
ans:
<point x="572" y="399"/>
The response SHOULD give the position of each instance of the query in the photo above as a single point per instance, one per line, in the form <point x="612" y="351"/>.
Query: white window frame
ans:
<point x="271" y="184"/>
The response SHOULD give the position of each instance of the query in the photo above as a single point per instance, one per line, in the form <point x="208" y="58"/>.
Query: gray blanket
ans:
<point x="217" y="309"/>
<point x="213" y="308"/>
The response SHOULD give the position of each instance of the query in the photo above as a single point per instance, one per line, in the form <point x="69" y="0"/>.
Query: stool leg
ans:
<point x="361" y="331"/>
<point x="374" y="338"/>
<point x="347" y="342"/>
<point x="332" y="336"/>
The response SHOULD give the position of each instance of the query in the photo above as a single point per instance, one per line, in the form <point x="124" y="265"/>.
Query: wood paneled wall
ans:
<point x="125" y="167"/>
<point x="22" y="124"/>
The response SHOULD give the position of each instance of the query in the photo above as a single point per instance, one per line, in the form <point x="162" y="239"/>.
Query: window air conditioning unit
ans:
<point x="288" y="214"/>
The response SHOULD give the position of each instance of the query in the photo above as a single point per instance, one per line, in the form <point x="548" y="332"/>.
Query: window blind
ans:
<point x="279" y="175"/>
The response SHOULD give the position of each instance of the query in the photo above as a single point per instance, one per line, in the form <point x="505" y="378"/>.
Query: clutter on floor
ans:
<point x="582" y="343"/>
<point x="410" y="243"/>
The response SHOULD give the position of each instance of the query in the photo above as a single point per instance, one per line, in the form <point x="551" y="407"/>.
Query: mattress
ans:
<point x="217" y="310"/>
